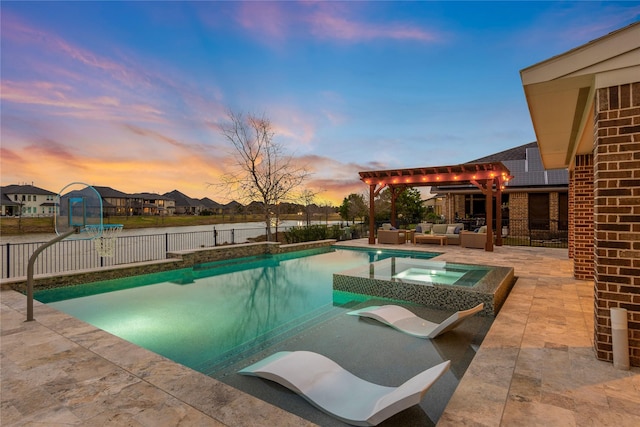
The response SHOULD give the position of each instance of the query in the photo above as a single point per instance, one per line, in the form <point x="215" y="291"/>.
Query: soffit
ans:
<point x="560" y="93"/>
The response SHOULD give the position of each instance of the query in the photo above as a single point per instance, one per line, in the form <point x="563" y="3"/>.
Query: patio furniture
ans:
<point x="405" y="321"/>
<point x="477" y="240"/>
<point x="339" y="393"/>
<point x="430" y="238"/>
<point x="395" y="237"/>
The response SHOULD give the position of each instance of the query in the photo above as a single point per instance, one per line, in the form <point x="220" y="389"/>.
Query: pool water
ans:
<point x="199" y="317"/>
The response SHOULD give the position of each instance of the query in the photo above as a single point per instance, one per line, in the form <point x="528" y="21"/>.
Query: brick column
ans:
<point x="519" y="214"/>
<point x="553" y="213"/>
<point x="571" y="224"/>
<point x="583" y="217"/>
<point x="617" y="214"/>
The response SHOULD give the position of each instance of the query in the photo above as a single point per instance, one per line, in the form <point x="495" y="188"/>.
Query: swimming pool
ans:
<point x="203" y="315"/>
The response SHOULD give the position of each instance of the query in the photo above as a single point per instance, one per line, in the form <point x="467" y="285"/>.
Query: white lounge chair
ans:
<point x="407" y="322"/>
<point x="338" y="392"/>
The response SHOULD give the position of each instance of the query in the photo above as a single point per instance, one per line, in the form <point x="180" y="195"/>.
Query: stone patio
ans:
<point x="535" y="367"/>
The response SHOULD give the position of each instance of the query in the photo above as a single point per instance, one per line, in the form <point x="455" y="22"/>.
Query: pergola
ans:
<point x="490" y="178"/>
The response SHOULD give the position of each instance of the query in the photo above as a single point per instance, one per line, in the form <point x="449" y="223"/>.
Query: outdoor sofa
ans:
<point x="451" y="231"/>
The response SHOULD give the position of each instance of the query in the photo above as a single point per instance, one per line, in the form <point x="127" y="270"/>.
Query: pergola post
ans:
<point x="372" y="214"/>
<point x="498" y="214"/>
<point x="488" y="191"/>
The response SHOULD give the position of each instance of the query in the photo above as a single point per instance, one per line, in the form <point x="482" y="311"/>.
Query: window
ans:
<point x="539" y="211"/>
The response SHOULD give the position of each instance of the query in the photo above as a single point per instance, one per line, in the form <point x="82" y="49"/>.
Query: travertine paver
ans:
<point x="535" y="367"/>
<point x="58" y="370"/>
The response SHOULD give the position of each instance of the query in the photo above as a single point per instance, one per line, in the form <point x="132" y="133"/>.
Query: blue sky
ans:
<point x="129" y="94"/>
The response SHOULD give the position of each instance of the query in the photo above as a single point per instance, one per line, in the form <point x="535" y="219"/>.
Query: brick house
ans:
<point x="534" y="203"/>
<point x="585" y="109"/>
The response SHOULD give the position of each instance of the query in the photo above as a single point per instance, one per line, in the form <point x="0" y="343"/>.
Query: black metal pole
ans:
<point x="32" y="261"/>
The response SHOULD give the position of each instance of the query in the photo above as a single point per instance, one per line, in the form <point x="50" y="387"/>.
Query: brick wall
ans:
<point x="617" y="214"/>
<point x="519" y="213"/>
<point x="583" y="265"/>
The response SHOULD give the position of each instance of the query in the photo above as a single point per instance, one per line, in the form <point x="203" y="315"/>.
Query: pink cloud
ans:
<point x="276" y="21"/>
<point x="16" y="30"/>
<point x="267" y="18"/>
<point x="62" y="101"/>
<point x="9" y="156"/>
<point x="329" y="26"/>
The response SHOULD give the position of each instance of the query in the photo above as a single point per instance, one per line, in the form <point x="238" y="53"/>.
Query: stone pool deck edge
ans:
<point x="58" y="370"/>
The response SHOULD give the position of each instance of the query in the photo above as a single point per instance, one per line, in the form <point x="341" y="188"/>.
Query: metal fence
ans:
<point x="70" y="255"/>
<point x="544" y="233"/>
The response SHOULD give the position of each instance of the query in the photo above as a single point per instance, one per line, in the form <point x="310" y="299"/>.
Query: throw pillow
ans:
<point x="457" y="230"/>
<point x="418" y="228"/>
<point x="451" y="229"/>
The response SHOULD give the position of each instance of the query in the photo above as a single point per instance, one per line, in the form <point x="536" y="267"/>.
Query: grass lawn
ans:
<point x="13" y="226"/>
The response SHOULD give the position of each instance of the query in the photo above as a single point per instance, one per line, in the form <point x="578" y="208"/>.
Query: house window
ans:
<point x="539" y="211"/>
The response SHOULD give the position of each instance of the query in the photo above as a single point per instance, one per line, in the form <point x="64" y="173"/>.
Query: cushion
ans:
<point x="457" y="230"/>
<point x="418" y="228"/>
<point x="451" y="229"/>
<point x="482" y="229"/>
<point x="439" y="228"/>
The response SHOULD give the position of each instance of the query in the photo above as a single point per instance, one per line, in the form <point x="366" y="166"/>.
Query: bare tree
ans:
<point x="262" y="171"/>
<point x="307" y="198"/>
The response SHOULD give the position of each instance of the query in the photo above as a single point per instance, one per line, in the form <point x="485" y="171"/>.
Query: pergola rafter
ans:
<point x="490" y="178"/>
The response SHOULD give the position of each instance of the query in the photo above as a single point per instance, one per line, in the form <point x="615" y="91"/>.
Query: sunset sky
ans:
<point x="130" y="94"/>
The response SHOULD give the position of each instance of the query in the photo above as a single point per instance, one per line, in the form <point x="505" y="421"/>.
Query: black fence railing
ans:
<point x="544" y="233"/>
<point x="71" y="255"/>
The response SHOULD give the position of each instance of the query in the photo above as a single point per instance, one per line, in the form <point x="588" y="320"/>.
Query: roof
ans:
<point x="560" y="92"/>
<point x="525" y="164"/>
<point x="517" y="153"/>
<point x="25" y="189"/>
<point x="181" y="199"/>
<point x="110" y="192"/>
<point x="6" y="201"/>
<point x="150" y="196"/>
<point x="212" y="204"/>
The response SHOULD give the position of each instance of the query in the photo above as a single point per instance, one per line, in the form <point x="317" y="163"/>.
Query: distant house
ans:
<point x="152" y="204"/>
<point x="212" y="206"/>
<point x="535" y="199"/>
<point x="232" y="208"/>
<point x="184" y="204"/>
<point x="114" y="202"/>
<point x="27" y="201"/>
